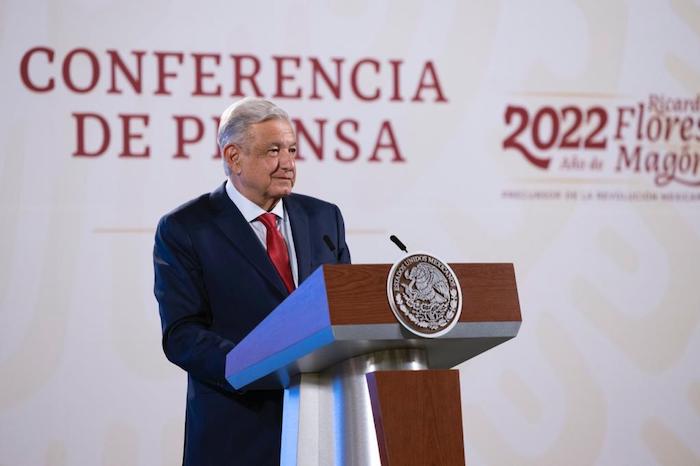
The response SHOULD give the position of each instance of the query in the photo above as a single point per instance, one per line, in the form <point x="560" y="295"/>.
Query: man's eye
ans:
<point x="274" y="151"/>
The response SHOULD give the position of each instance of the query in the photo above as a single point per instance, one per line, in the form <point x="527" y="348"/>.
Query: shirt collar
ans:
<point x="250" y="210"/>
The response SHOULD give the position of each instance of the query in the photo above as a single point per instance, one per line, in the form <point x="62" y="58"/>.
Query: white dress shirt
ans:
<point x="251" y="211"/>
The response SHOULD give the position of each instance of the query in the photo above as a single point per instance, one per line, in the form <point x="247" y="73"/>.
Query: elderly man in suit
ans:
<point x="223" y="262"/>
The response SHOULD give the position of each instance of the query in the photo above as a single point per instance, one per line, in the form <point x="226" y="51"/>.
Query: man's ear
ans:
<point x="232" y="155"/>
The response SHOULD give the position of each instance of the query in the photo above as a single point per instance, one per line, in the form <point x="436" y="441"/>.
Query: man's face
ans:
<point x="263" y="169"/>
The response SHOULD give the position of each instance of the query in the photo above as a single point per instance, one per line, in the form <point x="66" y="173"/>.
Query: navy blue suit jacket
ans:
<point x="214" y="283"/>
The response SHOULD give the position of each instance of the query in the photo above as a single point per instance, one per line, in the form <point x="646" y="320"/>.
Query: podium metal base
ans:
<point x="327" y="419"/>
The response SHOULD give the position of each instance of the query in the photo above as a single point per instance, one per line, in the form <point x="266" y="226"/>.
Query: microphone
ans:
<point x="329" y="243"/>
<point x="398" y="243"/>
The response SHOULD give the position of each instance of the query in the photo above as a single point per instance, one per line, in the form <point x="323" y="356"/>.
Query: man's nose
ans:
<point x="286" y="158"/>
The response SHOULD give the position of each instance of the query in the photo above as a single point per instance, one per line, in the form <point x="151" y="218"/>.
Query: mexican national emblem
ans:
<point x="424" y="294"/>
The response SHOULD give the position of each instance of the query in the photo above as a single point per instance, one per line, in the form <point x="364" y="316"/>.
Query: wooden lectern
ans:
<point x="359" y="388"/>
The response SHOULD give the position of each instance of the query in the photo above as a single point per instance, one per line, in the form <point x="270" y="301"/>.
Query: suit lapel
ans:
<point x="232" y="223"/>
<point x="299" y="221"/>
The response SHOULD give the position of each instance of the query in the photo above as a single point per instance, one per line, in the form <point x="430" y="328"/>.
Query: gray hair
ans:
<point x="240" y="116"/>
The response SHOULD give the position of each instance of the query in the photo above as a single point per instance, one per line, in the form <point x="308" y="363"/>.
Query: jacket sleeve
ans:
<point x="343" y="250"/>
<point x="184" y="308"/>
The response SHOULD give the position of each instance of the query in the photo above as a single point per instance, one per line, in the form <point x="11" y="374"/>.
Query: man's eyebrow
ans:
<point x="294" y="143"/>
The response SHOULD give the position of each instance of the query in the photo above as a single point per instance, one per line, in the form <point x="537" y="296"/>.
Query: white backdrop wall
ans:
<point x="602" y="220"/>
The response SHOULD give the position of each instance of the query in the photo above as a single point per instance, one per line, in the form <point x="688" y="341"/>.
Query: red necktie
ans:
<point x="277" y="250"/>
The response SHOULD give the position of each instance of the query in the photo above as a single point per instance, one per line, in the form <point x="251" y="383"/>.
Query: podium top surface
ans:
<point x="342" y="311"/>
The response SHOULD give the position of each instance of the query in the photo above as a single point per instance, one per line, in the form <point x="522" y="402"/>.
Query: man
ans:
<point x="222" y="263"/>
